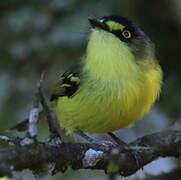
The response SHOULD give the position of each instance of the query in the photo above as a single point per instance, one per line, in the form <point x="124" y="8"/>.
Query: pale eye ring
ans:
<point x="126" y="34"/>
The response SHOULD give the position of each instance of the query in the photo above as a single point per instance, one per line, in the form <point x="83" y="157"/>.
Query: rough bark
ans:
<point x="37" y="156"/>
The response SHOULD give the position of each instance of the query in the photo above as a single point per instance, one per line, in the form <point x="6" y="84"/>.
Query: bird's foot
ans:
<point x="124" y="147"/>
<point x="118" y="143"/>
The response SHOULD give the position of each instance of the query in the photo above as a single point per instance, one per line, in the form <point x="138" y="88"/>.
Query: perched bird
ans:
<point x="115" y="82"/>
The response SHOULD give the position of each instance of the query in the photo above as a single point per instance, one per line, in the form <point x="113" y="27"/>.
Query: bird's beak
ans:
<point x="96" y="23"/>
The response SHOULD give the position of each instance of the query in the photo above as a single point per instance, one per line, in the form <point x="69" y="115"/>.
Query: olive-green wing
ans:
<point x="67" y="84"/>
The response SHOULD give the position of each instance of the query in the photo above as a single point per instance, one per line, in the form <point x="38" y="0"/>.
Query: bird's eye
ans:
<point x="126" y="34"/>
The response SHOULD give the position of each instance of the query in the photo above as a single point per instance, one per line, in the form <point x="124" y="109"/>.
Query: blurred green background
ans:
<point x="49" y="35"/>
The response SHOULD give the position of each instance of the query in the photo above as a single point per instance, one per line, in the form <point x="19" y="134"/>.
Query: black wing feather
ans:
<point x="67" y="84"/>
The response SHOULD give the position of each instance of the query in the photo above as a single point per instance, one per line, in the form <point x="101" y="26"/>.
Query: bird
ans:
<point x="114" y="84"/>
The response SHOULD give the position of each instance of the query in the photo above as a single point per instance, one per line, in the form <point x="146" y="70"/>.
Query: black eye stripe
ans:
<point x="119" y="34"/>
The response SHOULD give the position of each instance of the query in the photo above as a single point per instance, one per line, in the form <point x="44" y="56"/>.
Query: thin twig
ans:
<point x="52" y="123"/>
<point x="33" y="117"/>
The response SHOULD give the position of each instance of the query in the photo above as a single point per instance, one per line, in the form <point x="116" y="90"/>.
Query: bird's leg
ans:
<point x="92" y="140"/>
<point x="86" y="137"/>
<point x="125" y="147"/>
<point x="121" y="144"/>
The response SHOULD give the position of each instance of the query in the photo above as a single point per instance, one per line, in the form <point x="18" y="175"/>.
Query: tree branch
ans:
<point x="59" y="157"/>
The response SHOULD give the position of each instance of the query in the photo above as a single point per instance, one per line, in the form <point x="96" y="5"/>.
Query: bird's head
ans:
<point x="116" y="32"/>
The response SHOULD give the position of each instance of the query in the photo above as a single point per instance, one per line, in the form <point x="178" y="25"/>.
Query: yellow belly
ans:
<point x="106" y="106"/>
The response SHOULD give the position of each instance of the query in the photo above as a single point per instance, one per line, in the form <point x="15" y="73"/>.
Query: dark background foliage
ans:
<point x="49" y="35"/>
